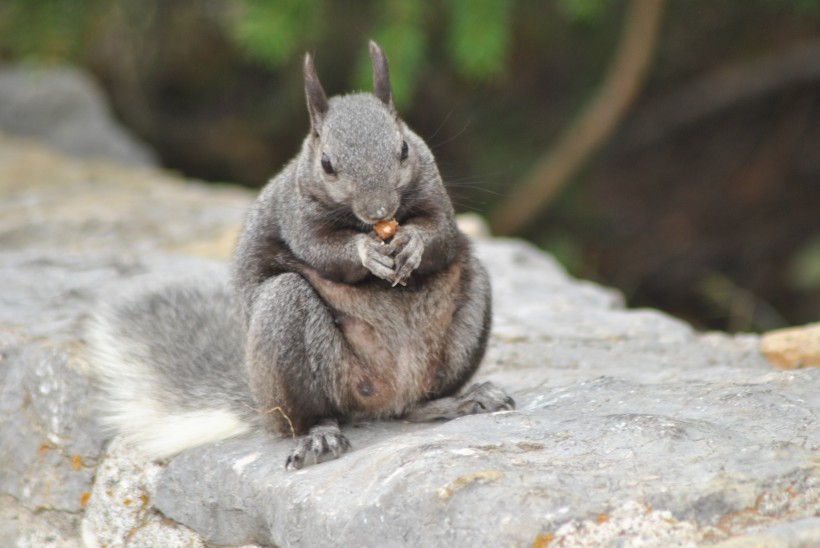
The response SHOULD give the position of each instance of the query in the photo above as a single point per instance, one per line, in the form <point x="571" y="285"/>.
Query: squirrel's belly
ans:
<point x="396" y="337"/>
<point x="394" y="363"/>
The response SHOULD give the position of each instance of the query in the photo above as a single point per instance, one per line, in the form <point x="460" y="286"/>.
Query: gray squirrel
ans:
<point x="325" y="322"/>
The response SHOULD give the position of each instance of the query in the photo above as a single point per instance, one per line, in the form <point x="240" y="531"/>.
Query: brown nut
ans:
<point x="386" y="229"/>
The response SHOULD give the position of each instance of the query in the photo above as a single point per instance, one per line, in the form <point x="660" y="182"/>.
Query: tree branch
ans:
<point x="591" y="128"/>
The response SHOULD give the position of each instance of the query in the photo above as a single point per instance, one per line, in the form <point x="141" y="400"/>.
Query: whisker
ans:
<point x="430" y="137"/>
<point x="453" y="138"/>
<point x="474" y="187"/>
<point x="474" y="208"/>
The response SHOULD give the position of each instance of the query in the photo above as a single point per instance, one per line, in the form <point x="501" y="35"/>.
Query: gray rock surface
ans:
<point x="631" y="428"/>
<point x="50" y="442"/>
<point x="120" y="510"/>
<point x="67" y="228"/>
<point x="615" y="407"/>
<point x="64" y="107"/>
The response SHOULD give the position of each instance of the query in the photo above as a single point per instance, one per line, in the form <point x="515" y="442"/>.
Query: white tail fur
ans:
<point x="129" y="406"/>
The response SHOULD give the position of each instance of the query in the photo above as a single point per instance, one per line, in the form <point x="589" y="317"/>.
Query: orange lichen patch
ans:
<point x="739" y="520"/>
<point x="769" y="506"/>
<point x="601" y="518"/>
<point x="386" y="229"/>
<point x="481" y="476"/>
<point x="144" y="499"/>
<point x="76" y="462"/>
<point x="84" y="498"/>
<point x="126" y="502"/>
<point x="543" y="540"/>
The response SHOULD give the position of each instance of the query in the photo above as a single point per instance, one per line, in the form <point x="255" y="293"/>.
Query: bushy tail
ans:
<point x="169" y="361"/>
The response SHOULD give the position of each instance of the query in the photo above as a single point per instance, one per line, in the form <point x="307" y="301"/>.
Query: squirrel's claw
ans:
<point x="375" y="258"/>
<point x="324" y="438"/>
<point x="407" y="249"/>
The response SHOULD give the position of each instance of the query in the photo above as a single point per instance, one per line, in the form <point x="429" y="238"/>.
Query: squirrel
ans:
<point x="323" y="322"/>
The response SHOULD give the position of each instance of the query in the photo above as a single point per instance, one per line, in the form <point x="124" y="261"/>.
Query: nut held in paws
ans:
<point x="386" y="229"/>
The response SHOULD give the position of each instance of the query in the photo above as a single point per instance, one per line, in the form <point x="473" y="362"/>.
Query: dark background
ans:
<point x="703" y="198"/>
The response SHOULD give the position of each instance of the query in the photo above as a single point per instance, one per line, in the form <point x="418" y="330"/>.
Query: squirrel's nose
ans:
<point x="377" y="212"/>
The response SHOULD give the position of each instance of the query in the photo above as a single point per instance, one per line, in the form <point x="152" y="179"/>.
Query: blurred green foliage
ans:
<point x="399" y="31"/>
<point x="805" y="266"/>
<point x="805" y="7"/>
<point x="585" y="12"/>
<point x="51" y="30"/>
<point x="477" y="35"/>
<point x="273" y="31"/>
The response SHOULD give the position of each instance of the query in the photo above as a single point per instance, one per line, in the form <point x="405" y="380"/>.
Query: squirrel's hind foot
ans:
<point x="479" y="398"/>
<point x="323" y="439"/>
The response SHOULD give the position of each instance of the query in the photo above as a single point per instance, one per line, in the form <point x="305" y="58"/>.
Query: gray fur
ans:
<point x="167" y="388"/>
<point x="322" y="328"/>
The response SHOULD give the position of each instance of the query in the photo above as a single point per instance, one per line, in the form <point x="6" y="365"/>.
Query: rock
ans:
<point x="802" y="533"/>
<point x="24" y="528"/>
<point x="567" y="454"/>
<point x="72" y="227"/>
<point x="67" y="228"/>
<point x="642" y="525"/>
<point x="793" y="348"/>
<point x="631" y="427"/>
<point x="473" y="225"/>
<point x="64" y="107"/>
<point x="120" y="510"/>
<point x="50" y="442"/>
<point x="57" y="210"/>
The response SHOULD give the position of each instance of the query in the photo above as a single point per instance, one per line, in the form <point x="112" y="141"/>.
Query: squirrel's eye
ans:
<point x="404" y="150"/>
<point x="326" y="165"/>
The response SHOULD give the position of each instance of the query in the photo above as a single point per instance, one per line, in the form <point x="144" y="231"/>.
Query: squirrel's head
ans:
<point x="359" y="154"/>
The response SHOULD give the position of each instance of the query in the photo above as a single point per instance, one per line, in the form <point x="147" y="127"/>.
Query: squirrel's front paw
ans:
<point x="324" y="438"/>
<point x="375" y="257"/>
<point x="406" y="248"/>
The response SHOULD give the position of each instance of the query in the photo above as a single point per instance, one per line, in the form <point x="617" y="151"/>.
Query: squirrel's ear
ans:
<point x="316" y="98"/>
<point x="381" y="75"/>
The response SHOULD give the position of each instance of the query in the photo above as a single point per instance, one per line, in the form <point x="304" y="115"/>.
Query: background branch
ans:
<point x="591" y="128"/>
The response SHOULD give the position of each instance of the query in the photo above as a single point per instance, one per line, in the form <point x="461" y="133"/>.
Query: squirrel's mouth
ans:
<point x="373" y="214"/>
